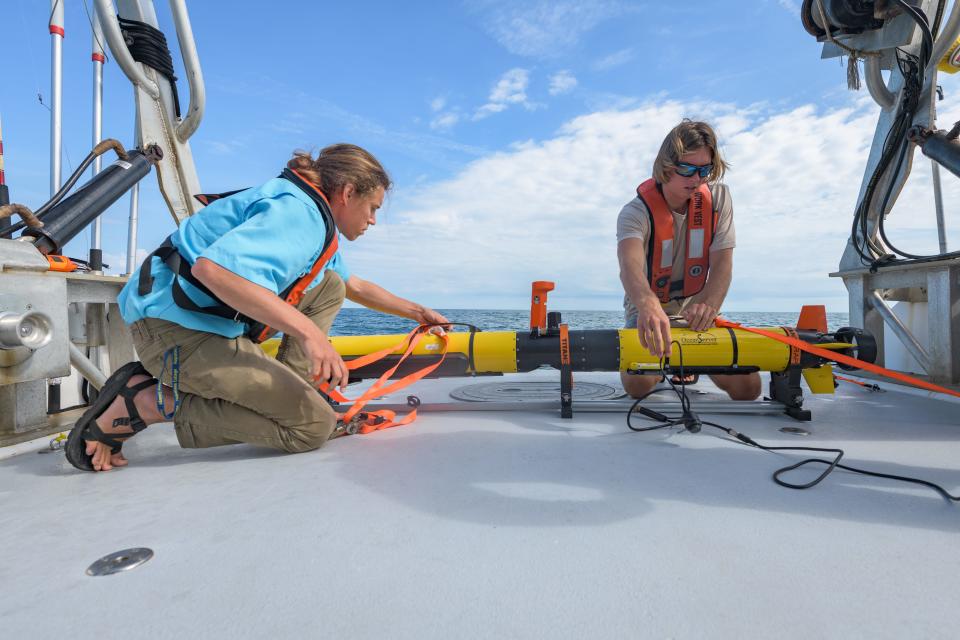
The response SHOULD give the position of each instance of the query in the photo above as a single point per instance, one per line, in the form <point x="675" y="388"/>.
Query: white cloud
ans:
<point x="438" y="103"/>
<point x="790" y="5"/>
<point x="444" y="121"/>
<point x="613" y="60"/>
<point x="562" y="82"/>
<point x="510" y="89"/>
<point x="224" y="147"/>
<point x="545" y="28"/>
<point x="547" y="210"/>
<point x="489" y="109"/>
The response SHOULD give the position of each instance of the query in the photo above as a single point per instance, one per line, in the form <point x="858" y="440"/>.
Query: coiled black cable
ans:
<point x="831" y="465"/>
<point x="687" y="419"/>
<point x="895" y="146"/>
<point x="938" y="18"/>
<point x="148" y="45"/>
<point x="871" y="253"/>
<point x="692" y="423"/>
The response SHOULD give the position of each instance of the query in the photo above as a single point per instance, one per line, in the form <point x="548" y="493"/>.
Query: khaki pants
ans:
<point x="231" y="391"/>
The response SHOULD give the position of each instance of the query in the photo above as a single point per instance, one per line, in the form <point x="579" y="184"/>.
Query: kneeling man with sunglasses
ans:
<point x="675" y="245"/>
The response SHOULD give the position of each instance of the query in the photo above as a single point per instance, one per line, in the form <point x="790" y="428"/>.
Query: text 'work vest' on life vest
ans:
<point x="701" y="220"/>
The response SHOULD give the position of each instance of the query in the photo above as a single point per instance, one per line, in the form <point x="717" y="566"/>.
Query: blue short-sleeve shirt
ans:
<point x="270" y="235"/>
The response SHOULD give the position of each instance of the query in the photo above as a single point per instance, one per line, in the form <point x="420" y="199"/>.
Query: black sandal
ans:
<point x="86" y="427"/>
<point x="690" y="380"/>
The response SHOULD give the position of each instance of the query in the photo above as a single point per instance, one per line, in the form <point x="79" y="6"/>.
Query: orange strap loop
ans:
<point x="865" y="385"/>
<point x="840" y="358"/>
<point x="385" y="418"/>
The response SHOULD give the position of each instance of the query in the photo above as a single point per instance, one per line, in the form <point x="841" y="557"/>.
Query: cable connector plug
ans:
<point x="742" y="438"/>
<point x="691" y="422"/>
<point x="650" y="413"/>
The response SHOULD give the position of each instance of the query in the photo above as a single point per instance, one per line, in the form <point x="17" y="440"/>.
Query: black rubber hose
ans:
<point x="99" y="150"/>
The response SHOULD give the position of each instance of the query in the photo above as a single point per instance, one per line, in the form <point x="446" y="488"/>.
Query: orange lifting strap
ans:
<point x="839" y="357"/>
<point x="385" y="418"/>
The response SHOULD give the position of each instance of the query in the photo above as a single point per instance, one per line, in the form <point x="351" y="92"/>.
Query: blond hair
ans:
<point x="339" y="165"/>
<point x="687" y="137"/>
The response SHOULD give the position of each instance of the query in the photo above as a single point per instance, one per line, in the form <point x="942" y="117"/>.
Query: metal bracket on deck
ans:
<point x="785" y="388"/>
<point x="936" y="283"/>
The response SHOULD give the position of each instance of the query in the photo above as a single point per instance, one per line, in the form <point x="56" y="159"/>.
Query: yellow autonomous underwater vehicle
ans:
<point x="549" y="343"/>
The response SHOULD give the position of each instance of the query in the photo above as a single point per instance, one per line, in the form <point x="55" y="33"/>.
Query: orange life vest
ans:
<point x="701" y="223"/>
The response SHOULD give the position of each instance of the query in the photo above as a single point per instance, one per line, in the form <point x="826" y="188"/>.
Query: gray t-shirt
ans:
<point x="634" y="222"/>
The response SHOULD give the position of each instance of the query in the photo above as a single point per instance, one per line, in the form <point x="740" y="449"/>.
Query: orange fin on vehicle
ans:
<point x="813" y="317"/>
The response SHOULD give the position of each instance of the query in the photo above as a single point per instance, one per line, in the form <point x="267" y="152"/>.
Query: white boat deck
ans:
<point x="499" y="525"/>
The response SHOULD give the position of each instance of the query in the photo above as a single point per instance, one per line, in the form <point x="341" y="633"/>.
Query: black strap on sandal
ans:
<point x="134" y="421"/>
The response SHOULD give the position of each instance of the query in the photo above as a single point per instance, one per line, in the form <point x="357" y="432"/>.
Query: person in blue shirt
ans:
<point x="248" y="265"/>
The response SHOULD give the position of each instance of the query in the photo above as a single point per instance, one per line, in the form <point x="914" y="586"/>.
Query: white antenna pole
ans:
<point x="132" y="229"/>
<point x="133" y="222"/>
<point x="98" y="61"/>
<point x="5" y="223"/>
<point x="56" y="118"/>
<point x="56" y="84"/>
<point x="938" y="203"/>
<point x="3" y="180"/>
<point x="98" y="58"/>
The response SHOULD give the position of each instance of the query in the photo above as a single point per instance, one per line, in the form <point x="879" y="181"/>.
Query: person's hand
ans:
<point x="326" y="365"/>
<point x="429" y="316"/>
<point x="700" y="316"/>
<point x="653" y="328"/>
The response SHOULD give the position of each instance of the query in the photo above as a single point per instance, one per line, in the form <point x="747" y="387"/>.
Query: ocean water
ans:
<point x="353" y="322"/>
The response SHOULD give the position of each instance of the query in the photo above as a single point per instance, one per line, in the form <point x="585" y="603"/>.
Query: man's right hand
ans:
<point x="653" y="328"/>
<point x="326" y="365"/>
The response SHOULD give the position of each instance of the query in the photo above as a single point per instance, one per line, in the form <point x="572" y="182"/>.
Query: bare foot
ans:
<point x="146" y="404"/>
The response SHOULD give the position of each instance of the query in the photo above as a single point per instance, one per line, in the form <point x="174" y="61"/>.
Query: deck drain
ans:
<point x="532" y="392"/>
<point x="120" y="561"/>
<point x="795" y="431"/>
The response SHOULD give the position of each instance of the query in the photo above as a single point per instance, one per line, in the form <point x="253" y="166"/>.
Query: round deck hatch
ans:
<point x="120" y="561"/>
<point x="532" y="392"/>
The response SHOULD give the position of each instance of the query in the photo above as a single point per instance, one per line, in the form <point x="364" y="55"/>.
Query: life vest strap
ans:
<point x="257" y="331"/>
<point x="207" y="198"/>
<point x="168" y="254"/>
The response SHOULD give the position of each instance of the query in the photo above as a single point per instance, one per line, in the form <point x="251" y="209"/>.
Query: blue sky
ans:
<point x="514" y="131"/>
